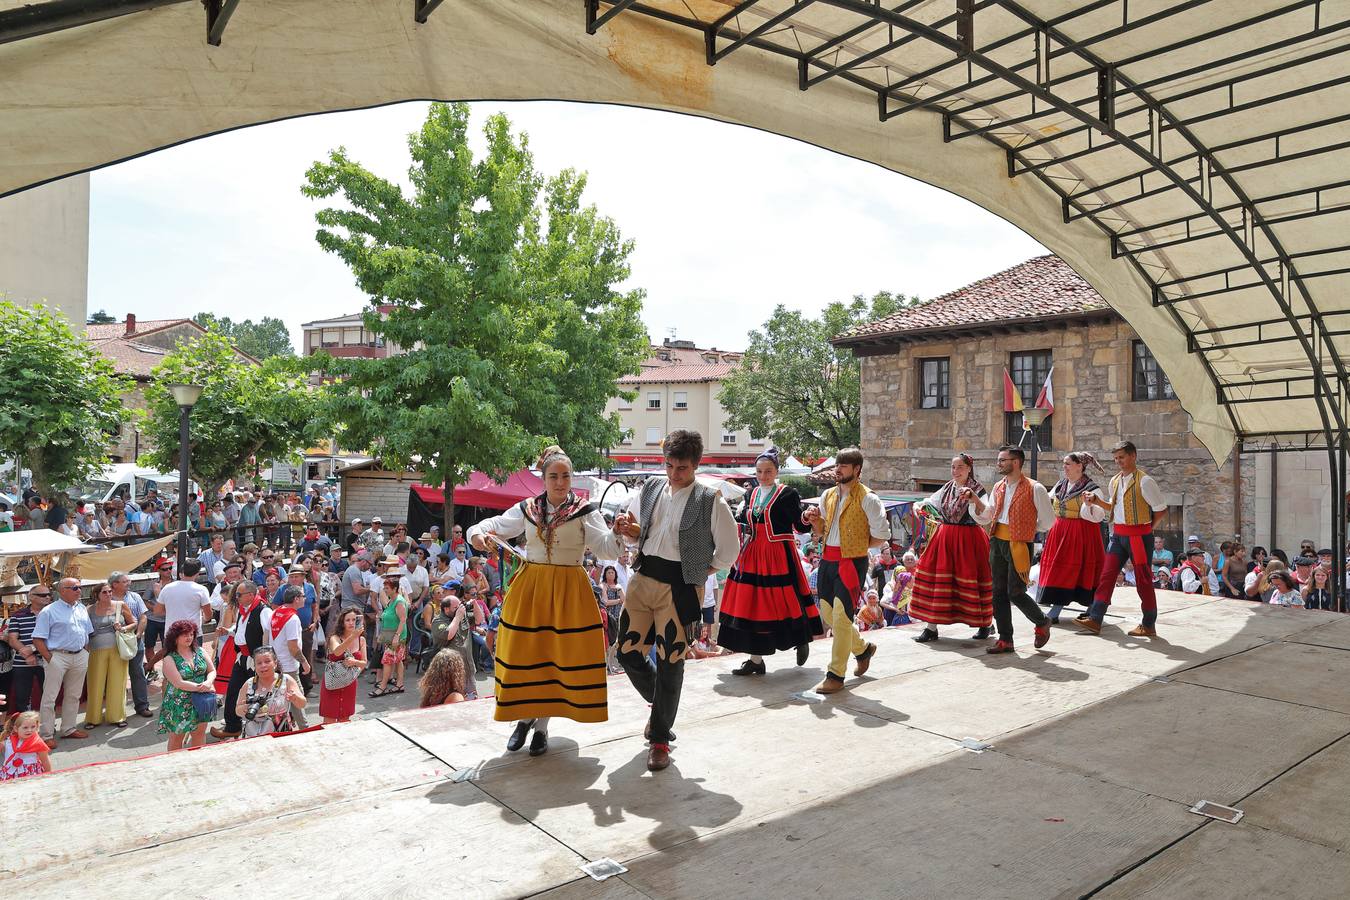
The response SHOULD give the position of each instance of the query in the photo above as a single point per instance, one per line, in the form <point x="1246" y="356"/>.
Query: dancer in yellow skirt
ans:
<point x="551" y="641"/>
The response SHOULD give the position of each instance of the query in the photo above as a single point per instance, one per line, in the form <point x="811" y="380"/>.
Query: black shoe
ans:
<point x="517" y="739"/>
<point x="539" y="743"/>
<point x="982" y="634"/>
<point x="929" y="634"/>
<point x="803" y="651"/>
<point x="750" y="667"/>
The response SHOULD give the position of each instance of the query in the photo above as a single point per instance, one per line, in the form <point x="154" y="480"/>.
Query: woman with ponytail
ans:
<point x="550" y="658"/>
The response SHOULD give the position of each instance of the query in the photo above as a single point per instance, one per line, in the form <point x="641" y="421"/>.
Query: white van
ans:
<point x="128" y="481"/>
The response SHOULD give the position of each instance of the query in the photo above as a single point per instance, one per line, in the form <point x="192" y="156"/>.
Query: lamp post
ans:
<point x="186" y="396"/>
<point x="1035" y="416"/>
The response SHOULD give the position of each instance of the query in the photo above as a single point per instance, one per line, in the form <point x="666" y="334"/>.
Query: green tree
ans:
<point x="246" y="410"/>
<point x="100" y="317"/>
<point x="500" y="286"/>
<point x="796" y="388"/>
<point x="264" y="339"/>
<point x="61" y="405"/>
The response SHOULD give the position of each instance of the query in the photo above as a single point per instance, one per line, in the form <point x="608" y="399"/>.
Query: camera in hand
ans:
<point x="255" y="705"/>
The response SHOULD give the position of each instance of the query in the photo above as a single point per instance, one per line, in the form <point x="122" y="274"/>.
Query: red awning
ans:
<point x="481" y="490"/>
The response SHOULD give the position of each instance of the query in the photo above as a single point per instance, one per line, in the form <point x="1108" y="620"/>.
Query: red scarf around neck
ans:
<point x="31" y="744"/>
<point x="279" y="619"/>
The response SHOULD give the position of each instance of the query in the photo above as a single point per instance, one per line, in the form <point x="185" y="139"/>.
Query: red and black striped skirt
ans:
<point x="767" y="603"/>
<point x="953" y="582"/>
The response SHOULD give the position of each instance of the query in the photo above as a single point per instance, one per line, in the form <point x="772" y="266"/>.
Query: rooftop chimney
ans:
<point x="131" y="324"/>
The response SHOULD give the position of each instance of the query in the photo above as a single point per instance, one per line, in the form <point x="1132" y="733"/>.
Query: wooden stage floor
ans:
<point x="1099" y="747"/>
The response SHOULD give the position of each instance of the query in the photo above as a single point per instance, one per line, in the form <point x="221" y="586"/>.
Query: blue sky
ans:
<point x="728" y="221"/>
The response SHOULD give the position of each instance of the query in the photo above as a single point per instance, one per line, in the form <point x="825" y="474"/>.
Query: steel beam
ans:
<point x="37" y="19"/>
<point x="422" y="10"/>
<point x="218" y="13"/>
<point x="595" y="20"/>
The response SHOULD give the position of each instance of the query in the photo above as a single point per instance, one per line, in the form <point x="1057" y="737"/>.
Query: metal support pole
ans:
<point x="1035" y="451"/>
<point x="1338" y="523"/>
<point x="1274" y="493"/>
<point x="183" y="520"/>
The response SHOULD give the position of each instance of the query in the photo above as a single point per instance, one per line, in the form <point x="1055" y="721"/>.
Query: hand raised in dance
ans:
<point x="812" y="515"/>
<point x="625" y="524"/>
<point x="482" y="540"/>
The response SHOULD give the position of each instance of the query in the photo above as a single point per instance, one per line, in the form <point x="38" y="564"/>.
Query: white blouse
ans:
<point x="570" y="539"/>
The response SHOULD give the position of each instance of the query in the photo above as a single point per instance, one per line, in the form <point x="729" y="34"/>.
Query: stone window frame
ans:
<point x="1040" y="364"/>
<point x="1142" y="365"/>
<point x="944" y="395"/>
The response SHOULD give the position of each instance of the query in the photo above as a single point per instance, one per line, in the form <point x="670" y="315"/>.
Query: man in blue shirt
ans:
<point x="61" y="637"/>
<point x="1161" y="555"/>
<point x="297" y="577"/>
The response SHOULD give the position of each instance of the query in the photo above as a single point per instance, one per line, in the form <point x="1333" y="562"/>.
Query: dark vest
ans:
<point x="696" y="539"/>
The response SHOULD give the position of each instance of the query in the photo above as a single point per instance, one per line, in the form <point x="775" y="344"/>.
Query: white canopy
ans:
<point x="40" y="542"/>
<point x="1187" y="158"/>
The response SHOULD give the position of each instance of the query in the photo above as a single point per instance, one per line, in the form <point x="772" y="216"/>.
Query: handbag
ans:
<point x="127" y="644"/>
<point x="337" y="676"/>
<point x="204" y="704"/>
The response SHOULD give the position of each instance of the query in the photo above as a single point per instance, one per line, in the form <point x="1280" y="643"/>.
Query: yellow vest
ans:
<point x="1067" y="509"/>
<point x="855" y="535"/>
<point x="1137" y="510"/>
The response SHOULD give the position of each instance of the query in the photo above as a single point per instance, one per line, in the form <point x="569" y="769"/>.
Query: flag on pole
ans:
<point x="1012" y="397"/>
<point x="1046" y="398"/>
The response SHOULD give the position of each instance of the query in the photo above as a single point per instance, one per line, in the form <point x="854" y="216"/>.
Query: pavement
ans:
<point x="944" y="772"/>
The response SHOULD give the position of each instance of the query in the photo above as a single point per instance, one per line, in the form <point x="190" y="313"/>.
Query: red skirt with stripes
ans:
<point x="953" y="582"/>
<point x="767" y="603"/>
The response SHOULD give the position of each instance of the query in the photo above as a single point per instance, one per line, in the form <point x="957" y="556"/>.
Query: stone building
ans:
<point x="932" y="384"/>
<point x="135" y="349"/>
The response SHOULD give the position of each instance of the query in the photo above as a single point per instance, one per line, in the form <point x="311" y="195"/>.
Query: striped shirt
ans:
<point x="21" y="623"/>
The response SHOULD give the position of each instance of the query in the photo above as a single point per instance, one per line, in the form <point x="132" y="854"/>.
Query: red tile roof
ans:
<point x="130" y="357"/>
<point x="119" y="329"/>
<point x="1044" y="287"/>
<point x="670" y="374"/>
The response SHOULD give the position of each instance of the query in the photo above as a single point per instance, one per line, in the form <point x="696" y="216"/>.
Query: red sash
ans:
<point x="848" y="574"/>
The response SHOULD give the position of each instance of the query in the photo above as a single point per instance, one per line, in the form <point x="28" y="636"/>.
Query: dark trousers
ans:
<point x="238" y="675"/>
<point x="22" y="681"/>
<point x="1009" y="589"/>
<point x="659" y="683"/>
<point x="307" y="651"/>
<point x="140" y="687"/>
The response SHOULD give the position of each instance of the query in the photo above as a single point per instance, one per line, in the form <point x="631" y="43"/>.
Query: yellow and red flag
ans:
<point x="1012" y="397"/>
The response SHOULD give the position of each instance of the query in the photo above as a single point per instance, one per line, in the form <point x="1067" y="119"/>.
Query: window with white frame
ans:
<point x="625" y="403"/>
<point x="756" y="441"/>
<point x="653" y="435"/>
<point x="728" y="437"/>
<point x="628" y="438"/>
<point x="681" y="400"/>
<point x="653" y="399"/>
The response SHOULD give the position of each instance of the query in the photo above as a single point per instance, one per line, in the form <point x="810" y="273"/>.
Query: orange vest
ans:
<point x="1022" y="513"/>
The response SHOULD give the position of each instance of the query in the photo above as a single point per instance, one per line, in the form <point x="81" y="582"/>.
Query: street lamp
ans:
<point x="1035" y="416"/>
<point x="186" y="396"/>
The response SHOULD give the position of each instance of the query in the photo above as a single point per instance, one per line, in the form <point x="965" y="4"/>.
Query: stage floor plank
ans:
<point x="1100" y="744"/>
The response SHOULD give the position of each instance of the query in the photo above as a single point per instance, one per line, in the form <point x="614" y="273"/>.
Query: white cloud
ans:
<point x="728" y="221"/>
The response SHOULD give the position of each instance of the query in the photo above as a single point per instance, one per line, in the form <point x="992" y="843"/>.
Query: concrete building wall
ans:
<point x="1302" y="500"/>
<point x="908" y="447"/>
<point x="44" y="247"/>
<point x="703" y="413"/>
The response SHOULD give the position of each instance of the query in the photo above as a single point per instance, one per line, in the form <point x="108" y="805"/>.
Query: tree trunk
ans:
<point x="448" y="498"/>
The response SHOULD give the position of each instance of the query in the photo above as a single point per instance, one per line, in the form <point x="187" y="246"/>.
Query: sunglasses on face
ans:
<point x="36" y="594"/>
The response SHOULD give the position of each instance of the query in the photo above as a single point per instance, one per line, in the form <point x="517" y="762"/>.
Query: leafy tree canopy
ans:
<point x="794" y="387"/>
<point x="61" y="406"/>
<point x="100" y="317"/>
<point x="499" y="285"/>
<point x="246" y="410"/>
<point x="264" y="339"/>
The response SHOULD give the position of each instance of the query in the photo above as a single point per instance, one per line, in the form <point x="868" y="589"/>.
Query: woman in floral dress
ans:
<point x="187" y="670"/>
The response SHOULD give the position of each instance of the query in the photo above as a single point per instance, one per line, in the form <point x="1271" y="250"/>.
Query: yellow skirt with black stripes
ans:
<point x="551" y="648"/>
